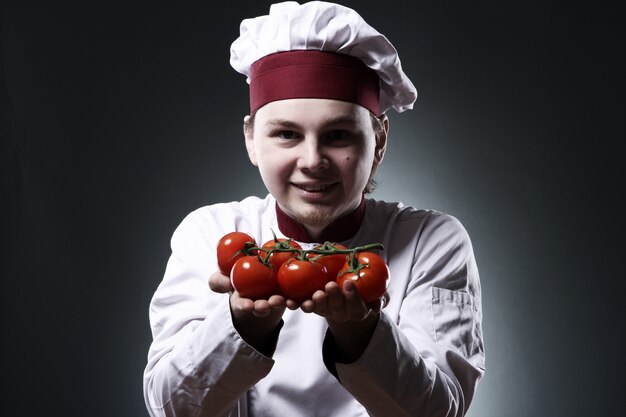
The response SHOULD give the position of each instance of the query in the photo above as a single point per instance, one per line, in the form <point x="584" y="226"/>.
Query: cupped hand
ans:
<point x="243" y="307"/>
<point x="340" y="304"/>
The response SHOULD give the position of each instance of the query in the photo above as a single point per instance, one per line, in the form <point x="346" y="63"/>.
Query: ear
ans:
<point x="248" y="133"/>
<point x="381" y="141"/>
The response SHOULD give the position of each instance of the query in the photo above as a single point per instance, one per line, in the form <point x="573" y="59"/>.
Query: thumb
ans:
<point x="220" y="283"/>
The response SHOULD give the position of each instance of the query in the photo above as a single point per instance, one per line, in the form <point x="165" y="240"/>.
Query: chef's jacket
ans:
<point x="425" y="357"/>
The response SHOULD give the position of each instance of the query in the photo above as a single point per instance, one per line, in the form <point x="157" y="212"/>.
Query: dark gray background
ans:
<point x="119" y="118"/>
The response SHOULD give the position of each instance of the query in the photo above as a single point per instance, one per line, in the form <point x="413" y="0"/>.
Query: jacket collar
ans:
<point x="340" y="230"/>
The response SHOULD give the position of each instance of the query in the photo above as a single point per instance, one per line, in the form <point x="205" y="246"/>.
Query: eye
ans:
<point x="286" y="134"/>
<point x="337" y="135"/>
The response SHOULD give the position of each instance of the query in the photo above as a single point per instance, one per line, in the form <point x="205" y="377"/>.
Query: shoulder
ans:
<point x="393" y="211"/>
<point x="423" y="223"/>
<point x="445" y="226"/>
<point x="250" y="206"/>
<point x="397" y="212"/>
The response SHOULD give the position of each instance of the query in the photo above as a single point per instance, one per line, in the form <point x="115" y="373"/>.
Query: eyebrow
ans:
<point x="282" y="123"/>
<point x="345" y="119"/>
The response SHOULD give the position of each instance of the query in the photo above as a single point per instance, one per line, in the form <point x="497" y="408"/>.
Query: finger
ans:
<point x="336" y="302"/>
<point x="385" y="300"/>
<point x="241" y="307"/>
<point x="354" y="305"/>
<point x="261" y="308"/>
<point x="220" y="283"/>
<point x="276" y="302"/>
<point x="292" y="305"/>
<point x="308" y="306"/>
<point x="319" y="296"/>
<point x="320" y="303"/>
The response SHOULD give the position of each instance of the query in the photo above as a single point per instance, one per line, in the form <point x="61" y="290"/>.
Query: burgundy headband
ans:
<point x="313" y="74"/>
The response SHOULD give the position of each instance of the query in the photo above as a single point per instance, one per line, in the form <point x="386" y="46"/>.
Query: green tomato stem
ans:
<point x="335" y="251"/>
<point x="326" y="249"/>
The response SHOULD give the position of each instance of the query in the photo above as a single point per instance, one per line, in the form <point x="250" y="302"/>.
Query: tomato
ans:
<point x="230" y="248"/>
<point x="333" y="263"/>
<point x="299" y="279"/>
<point x="279" y="258"/>
<point x="371" y="280"/>
<point x="252" y="279"/>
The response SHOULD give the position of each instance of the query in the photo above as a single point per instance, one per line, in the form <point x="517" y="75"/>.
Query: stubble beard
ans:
<point x="317" y="216"/>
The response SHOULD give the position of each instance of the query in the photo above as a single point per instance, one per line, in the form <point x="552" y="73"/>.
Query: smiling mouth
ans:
<point x="315" y="188"/>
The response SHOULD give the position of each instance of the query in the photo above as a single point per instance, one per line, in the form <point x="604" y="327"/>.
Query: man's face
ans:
<point x="315" y="156"/>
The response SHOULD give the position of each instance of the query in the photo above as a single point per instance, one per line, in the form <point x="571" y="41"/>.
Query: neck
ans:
<point x="314" y="232"/>
<point x="339" y="230"/>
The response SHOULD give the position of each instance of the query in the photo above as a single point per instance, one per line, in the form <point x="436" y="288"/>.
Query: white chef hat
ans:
<point x="320" y="50"/>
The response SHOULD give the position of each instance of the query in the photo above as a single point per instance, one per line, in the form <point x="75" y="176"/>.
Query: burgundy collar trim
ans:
<point x="338" y="231"/>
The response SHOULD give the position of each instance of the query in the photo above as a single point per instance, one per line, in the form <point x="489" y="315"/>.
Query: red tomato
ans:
<point x="252" y="279"/>
<point x="333" y="263"/>
<point x="371" y="281"/>
<point x="230" y="248"/>
<point x="298" y="279"/>
<point x="279" y="258"/>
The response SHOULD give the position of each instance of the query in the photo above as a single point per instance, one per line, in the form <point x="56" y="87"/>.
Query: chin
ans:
<point x="319" y="216"/>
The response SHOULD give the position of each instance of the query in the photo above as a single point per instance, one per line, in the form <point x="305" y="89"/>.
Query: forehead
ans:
<point x="312" y="112"/>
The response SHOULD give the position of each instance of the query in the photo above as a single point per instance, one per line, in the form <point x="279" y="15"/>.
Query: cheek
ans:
<point x="359" y="156"/>
<point x="356" y="167"/>
<point x="273" y="165"/>
<point x="269" y="168"/>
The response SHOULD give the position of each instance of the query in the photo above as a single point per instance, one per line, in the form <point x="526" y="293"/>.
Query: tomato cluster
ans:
<point x="281" y="266"/>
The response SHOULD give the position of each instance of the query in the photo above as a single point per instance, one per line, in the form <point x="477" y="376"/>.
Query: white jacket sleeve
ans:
<point x="198" y="365"/>
<point x="426" y="356"/>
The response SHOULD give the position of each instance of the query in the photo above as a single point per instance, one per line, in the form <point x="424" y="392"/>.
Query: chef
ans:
<point x="321" y="81"/>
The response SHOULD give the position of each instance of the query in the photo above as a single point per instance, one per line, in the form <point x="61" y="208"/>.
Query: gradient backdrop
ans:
<point x="119" y="118"/>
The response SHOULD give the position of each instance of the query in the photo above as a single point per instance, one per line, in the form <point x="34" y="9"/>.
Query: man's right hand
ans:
<point x="255" y="320"/>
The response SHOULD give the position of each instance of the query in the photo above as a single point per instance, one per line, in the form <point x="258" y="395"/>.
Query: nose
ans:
<point x="312" y="156"/>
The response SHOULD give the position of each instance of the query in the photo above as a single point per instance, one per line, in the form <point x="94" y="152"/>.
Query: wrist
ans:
<point x="261" y="333"/>
<point x="351" y="338"/>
